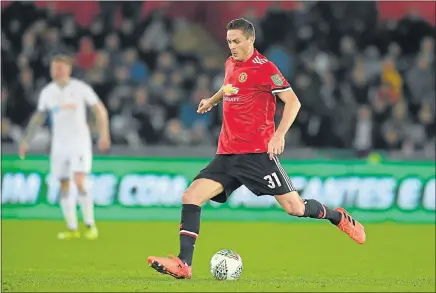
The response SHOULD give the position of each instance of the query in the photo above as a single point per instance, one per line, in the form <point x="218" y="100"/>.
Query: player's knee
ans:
<point x="65" y="186"/>
<point x="190" y="197"/>
<point x="79" y="180"/>
<point x="80" y="186"/>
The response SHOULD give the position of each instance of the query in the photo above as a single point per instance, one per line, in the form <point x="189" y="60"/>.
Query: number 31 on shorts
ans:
<point x="271" y="178"/>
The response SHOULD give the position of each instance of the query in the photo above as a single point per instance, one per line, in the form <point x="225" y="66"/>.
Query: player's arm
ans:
<point x="101" y="116"/>
<point x="36" y="121"/>
<point x="290" y="111"/>
<point x="207" y="104"/>
<point x="281" y="88"/>
<point x="276" y="146"/>
<point x="217" y="97"/>
<point x="38" y="118"/>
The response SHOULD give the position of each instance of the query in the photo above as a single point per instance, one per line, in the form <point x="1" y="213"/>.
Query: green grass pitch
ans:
<point x="277" y="257"/>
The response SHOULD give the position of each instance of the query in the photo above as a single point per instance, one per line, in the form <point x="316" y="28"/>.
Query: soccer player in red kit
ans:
<point x="248" y="148"/>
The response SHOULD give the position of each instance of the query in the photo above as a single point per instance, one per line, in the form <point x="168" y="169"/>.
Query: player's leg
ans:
<point x="264" y="176"/>
<point x="211" y="183"/>
<point x="81" y="166"/>
<point x="294" y="205"/>
<point x="206" y="186"/>
<point x="60" y="169"/>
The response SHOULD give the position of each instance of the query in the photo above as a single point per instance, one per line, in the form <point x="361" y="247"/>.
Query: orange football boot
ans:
<point x="352" y="227"/>
<point x="171" y="265"/>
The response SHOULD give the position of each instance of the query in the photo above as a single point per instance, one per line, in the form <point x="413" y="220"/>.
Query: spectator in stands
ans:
<point x="100" y="76"/>
<point x="428" y="49"/>
<point x="199" y="135"/>
<point x="124" y="87"/>
<point x="359" y="84"/>
<point x="171" y="101"/>
<point x="348" y="52"/>
<point x="392" y="80"/>
<point x="29" y="45"/>
<point x="128" y="39"/>
<point x="143" y="112"/>
<point x="70" y="33"/>
<point x="51" y="45"/>
<point x="98" y="33"/>
<point x="21" y="100"/>
<point x="157" y="34"/>
<point x="175" y="134"/>
<point x="363" y="139"/>
<point x="380" y="107"/>
<point x="137" y="69"/>
<point x="166" y="63"/>
<point x="86" y="56"/>
<point x="396" y="125"/>
<point x="426" y="118"/>
<point x="372" y="63"/>
<point x="146" y="52"/>
<point x="112" y="48"/>
<point x="421" y="84"/>
<point x="279" y="56"/>
<point x="157" y="83"/>
<point x="188" y="112"/>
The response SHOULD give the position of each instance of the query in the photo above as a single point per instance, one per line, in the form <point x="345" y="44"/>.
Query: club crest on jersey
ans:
<point x="229" y="89"/>
<point x="242" y="77"/>
<point x="277" y="79"/>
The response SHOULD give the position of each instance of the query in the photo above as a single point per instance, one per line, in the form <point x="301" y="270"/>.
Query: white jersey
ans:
<point x="67" y="107"/>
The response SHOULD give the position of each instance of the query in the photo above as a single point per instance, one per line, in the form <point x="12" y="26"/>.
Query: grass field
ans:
<point x="277" y="257"/>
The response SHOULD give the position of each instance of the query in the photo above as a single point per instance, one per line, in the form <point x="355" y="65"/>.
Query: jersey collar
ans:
<point x="65" y="86"/>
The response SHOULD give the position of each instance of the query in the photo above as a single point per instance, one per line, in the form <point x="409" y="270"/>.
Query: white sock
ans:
<point x="68" y="206"/>
<point x="87" y="206"/>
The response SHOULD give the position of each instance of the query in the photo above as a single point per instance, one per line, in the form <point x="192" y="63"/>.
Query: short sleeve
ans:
<point x="42" y="101"/>
<point x="91" y="97"/>
<point x="276" y="80"/>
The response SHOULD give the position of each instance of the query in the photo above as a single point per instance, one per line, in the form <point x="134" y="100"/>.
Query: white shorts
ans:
<point x="63" y="166"/>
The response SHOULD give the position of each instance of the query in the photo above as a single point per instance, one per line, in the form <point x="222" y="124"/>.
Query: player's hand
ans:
<point x="104" y="143"/>
<point x="22" y="151"/>
<point x="276" y="145"/>
<point x="204" y="106"/>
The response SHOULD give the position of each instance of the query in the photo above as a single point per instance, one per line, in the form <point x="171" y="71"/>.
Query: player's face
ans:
<point x="60" y="70"/>
<point x="239" y="44"/>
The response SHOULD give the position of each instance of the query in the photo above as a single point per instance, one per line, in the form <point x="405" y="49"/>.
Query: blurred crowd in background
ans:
<point x="363" y="84"/>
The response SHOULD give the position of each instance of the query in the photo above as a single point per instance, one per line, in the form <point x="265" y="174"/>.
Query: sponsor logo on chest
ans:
<point x="229" y="89"/>
<point x="67" y="102"/>
<point x="64" y="107"/>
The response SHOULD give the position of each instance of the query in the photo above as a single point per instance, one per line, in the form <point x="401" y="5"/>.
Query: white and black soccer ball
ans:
<point x="226" y="264"/>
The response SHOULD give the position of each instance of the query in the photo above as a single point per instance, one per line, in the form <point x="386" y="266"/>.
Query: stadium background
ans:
<point x="364" y="138"/>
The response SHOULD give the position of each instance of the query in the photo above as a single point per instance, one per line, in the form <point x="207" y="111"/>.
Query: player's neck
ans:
<point x="249" y="54"/>
<point x="62" y="82"/>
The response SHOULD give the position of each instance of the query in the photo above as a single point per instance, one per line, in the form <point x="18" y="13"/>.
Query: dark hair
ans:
<point x="62" y="58"/>
<point x="242" y="24"/>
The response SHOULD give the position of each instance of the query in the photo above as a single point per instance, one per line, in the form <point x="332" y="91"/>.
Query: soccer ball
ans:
<point x="226" y="265"/>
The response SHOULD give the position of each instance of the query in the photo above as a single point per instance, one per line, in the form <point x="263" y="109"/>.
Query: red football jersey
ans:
<point x="249" y="104"/>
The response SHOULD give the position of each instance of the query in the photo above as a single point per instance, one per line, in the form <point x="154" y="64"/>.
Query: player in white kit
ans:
<point x="66" y="100"/>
